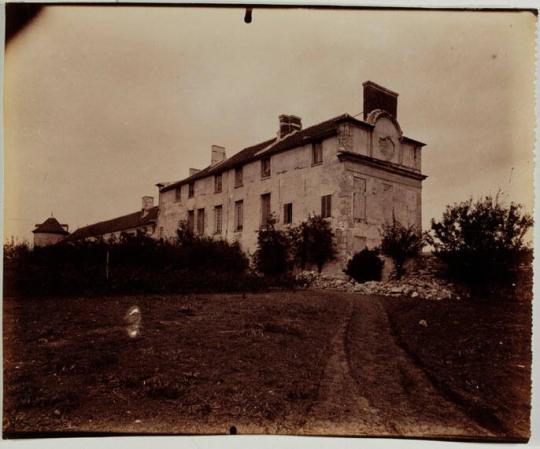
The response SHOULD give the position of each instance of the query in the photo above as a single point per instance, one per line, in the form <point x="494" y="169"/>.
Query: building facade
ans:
<point x="359" y="174"/>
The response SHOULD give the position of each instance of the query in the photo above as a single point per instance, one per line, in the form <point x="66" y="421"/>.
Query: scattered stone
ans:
<point x="422" y="323"/>
<point x="419" y="283"/>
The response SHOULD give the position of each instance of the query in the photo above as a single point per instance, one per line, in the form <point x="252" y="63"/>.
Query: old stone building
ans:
<point x="357" y="173"/>
<point x="49" y="232"/>
<point x="143" y="221"/>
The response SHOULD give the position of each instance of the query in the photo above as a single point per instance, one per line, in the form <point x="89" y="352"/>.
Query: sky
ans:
<point x="102" y="103"/>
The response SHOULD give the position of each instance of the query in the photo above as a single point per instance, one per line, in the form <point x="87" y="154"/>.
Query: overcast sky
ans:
<point x="101" y="103"/>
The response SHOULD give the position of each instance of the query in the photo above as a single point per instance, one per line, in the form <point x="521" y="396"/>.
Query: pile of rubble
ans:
<point x="420" y="285"/>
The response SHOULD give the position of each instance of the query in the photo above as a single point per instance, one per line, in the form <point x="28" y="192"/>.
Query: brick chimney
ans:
<point x="193" y="171"/>
<point x="288" y="124"/>
<point x="147" y="204"/>
<point x="378" y="97"/>
<point x="218" y="154"/>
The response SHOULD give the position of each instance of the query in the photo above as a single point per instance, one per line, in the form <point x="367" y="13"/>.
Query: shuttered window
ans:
<point x="326" y="206"/>
<point x="218" y="219"/>
<point x="359" y="199"/>
<point x="316" y="153"/>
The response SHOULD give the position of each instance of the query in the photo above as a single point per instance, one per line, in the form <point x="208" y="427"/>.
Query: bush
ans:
<point x="272" y="256"/>
<point x="313" y="242"/>
<point x="364" y="266"/>
<point x="400" y="243"/>
<point x="482" y="241"/>
<point x="136" y="264"/>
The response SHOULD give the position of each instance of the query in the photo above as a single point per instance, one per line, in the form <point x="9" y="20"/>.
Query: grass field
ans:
<point x="205" y="363"/>
<point x="477" y="352"/>
<point x="201" y="362"/>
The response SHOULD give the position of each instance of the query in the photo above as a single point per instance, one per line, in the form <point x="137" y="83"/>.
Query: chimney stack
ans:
<point x="147" y="204"/>
<point x="378" y="97"/>
<point x="193" y="171"/>
<point x="218" y="154"/>
<point x="289" y="124"/>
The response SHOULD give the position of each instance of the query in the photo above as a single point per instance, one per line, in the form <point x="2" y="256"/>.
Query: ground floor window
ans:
<point x="326" y="206"/>
<point x="191" y="220"/>
<point x="200" y="221"/>
<point x="218" y="219"/>
<point x="239" y="215"/>
<point x="287" y="213"/>
<point x="265" y="208"/>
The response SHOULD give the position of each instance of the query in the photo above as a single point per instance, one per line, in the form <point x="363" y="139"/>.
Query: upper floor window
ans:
<point x="287" y="213"/>
<point x="326" y="206"/>
<point x="316" y="153"/>
<point x="178" y="193"/>
<point x="238" y="176"/>
<point x="218" y="183"/>
<point x="191" y="189"/>
<point x="265" y="167"/>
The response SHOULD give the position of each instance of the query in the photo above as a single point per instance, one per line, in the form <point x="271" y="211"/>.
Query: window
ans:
<point x="178" y="193"/>
<point x="218" y="183"/>
<point x="265" y="167"/>
<point x="359" y="199"/>
<point x="191" y="220"/>
<point x="238" y="177"/>
<point x="191" y="189"/>
<point x="287" y="213"/>
<point x="326" y="206"/>
<point x="200" y="221"/>
<point x="316" y="153"/>
<point x="265" y="208"/>
<point x="218" y="219"/>
<point x="239" y="215"/>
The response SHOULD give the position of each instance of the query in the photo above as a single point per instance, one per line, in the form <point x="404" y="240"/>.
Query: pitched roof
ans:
<point x="275" y="145"/>
<point x="50" y="226"/>
<point x="122" y="223"/>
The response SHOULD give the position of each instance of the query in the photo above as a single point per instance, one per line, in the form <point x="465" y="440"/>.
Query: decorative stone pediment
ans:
<point x="374" y="116"/>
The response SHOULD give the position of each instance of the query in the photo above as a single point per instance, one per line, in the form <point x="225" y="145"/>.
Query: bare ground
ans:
<point x="304" y="363"/>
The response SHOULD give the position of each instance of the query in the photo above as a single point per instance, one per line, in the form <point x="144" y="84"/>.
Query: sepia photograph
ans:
<point x="268" y="220"/>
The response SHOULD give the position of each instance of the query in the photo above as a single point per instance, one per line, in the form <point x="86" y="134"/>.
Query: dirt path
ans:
<point x="371" y="387"/>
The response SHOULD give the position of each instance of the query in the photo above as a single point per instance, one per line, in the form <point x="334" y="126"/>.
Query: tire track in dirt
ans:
<point x="340" y="408"/>
<point x="385" y="375"/>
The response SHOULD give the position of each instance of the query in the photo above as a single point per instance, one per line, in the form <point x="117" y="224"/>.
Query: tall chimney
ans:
<point x="289" y="124"/>
<point x="193" y="171"/>
<point x="378" y="97"/>
<point x="147" y="204"/>
<point x="218" y="154"/>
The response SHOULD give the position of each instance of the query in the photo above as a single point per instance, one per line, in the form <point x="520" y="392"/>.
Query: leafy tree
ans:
<point x="313" y="242"/>
<point x="400" y="243"/>
<point x="365" y="265"/>
<point x="481" y="240"/>
<point x="272" y="254"/>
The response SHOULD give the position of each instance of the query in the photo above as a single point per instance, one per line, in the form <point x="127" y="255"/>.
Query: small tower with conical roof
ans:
<point x="49" y="232"/>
